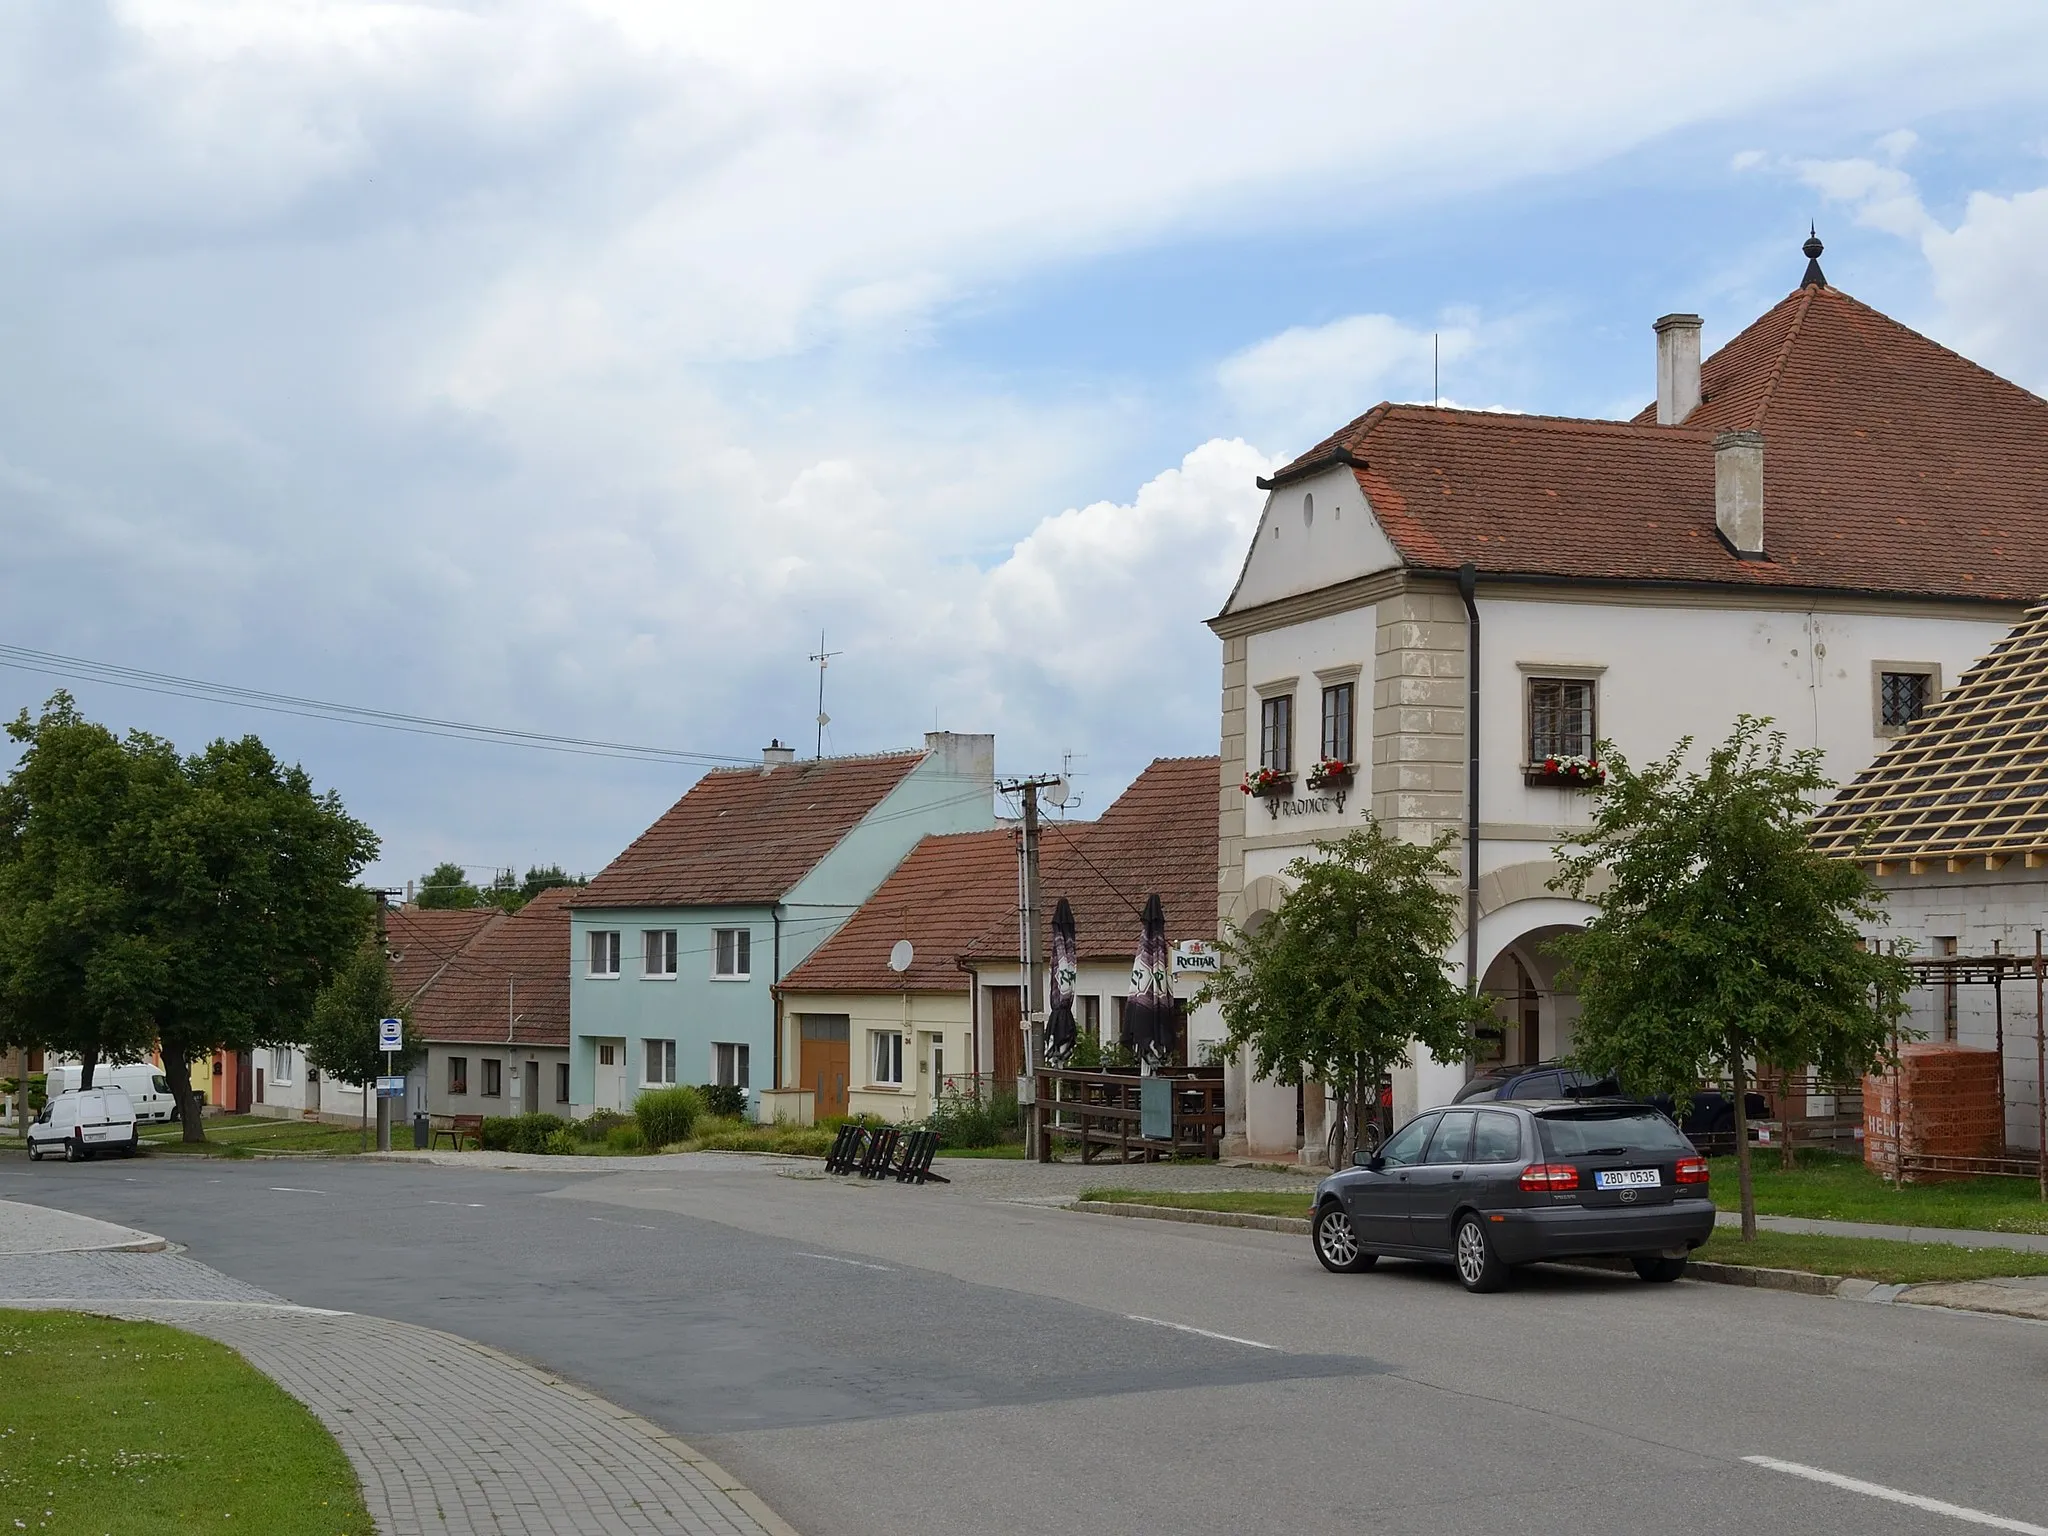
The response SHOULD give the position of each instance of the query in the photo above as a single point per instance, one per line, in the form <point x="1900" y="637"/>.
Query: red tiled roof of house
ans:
<point x="949" y="889"/>
<point x="421" y="941"/>
<point x="1891" y="465"/>
<point x="1157" y="837"/>
<point x="744" y="836"/>
<point x="469" y="999"/>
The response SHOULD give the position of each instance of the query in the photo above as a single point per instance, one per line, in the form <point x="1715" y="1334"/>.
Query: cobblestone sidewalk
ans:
<point x="449" y="1438"/>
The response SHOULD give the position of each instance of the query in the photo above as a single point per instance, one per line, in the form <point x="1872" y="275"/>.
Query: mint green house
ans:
<point x="676" y="947"/>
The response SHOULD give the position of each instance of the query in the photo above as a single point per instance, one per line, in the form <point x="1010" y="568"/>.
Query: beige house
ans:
<point x="1825" y="523"/>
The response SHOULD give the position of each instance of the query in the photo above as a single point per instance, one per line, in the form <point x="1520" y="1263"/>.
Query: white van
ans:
<point x="146" y="1086"/>
<point x="83" y="1122"/>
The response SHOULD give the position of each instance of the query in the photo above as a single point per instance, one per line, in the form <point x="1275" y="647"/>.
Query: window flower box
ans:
<point x="1330" y="773"/>
<point x="1268" y="784"/>
<point x="1567" y="773"/>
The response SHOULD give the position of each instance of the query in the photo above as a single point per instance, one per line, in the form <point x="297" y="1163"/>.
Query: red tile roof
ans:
<point x="421" y="941"/>
<point x="467" y="998"/>
<point x="948" y="890"/>
<point x="956" y="897"/>
<point x="744" y="836"/>
<point x="1891" y="465"/>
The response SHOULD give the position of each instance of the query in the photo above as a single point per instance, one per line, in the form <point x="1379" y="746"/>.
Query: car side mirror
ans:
<point x="1371" y="1160"/>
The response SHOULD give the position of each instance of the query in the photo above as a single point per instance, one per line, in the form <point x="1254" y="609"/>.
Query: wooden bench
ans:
<point x="459" y="1126"/>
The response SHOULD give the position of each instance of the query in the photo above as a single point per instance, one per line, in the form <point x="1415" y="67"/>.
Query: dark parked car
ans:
<point x="1710" y="1114"/>
<point x="1491" y="1186"/>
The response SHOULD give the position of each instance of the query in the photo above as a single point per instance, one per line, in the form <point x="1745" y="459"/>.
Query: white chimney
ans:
<point x="775" y="752"/>
<point x="1739" y="492"/>
<point x="1678" y="368"/>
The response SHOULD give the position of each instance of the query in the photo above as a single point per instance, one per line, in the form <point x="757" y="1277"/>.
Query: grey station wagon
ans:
<point x="1490" y="1188"/>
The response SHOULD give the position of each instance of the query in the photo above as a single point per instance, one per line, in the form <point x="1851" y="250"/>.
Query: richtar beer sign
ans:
<point x="1197" y="957"/>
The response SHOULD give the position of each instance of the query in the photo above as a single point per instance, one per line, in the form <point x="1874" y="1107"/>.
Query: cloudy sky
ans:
<point x="568" y="367"/>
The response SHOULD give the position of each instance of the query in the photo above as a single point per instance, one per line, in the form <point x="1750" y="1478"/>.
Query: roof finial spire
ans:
<point x="1814" y="277"/>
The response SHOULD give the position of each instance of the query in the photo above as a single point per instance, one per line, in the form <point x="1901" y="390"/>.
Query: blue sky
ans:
<point x="567" y="365"/>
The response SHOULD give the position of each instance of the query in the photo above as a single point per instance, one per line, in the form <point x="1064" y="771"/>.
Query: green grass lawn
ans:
<point x="1870" y="1258"/>
<point x="1835" y="1188"/>
<point x="258" y="1133"/>
<point x="139" y="1428"/>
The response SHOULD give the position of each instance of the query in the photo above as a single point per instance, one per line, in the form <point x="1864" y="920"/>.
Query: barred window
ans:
<point x="1560" y="718"/>
<point x="1902" y="698"/>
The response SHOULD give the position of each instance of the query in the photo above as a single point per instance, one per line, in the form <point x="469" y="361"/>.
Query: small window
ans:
<point x="561" y="1082"/>
<point x="1452" y="1142"/>
<point x="730" y="1066"/>
<point x="280" y="1064"/>
<point x="661" y="1063"/>
<point x="1276" y="733"/>
<point x="1560" y="718"/>
<point x="1496" y="1138"/>
<point x="607" y="1055"/>
<point x="1088" y="1015"/>
<point x="494" y="1077"/>
<point x="732" y="954"/>
<point x="1902" y="698"/>
<point x="604" y="952"/>
<point x="658" y="953"/>
<point x="1338" y="717"/>
<point x="458" y="1074"/>
<point x="824" y="1026"/>
<point x="888" y="1058"/>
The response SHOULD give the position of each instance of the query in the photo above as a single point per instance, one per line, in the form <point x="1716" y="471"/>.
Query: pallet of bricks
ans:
<point x="1935" y="1115"/>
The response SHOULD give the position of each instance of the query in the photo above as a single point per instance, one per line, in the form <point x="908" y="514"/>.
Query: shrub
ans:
<point x="624" y="1137"/>
<point x="740" y="1136"/>
<point x="600" y="1125"/>
<point x="963" y="1121"/>
<point x="563" y="1143"/>
<point x="724" y="1101"/>
<point x="520" y="1133"/>
<point x="667" y="1114"/>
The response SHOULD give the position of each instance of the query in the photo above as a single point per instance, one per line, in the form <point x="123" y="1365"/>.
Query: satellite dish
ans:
<point x="899" y="956"/>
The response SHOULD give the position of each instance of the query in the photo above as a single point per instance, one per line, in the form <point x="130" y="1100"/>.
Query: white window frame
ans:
<point x="885" y="1058"/>
<point x="280" y="1054"/>
<point x="603" y="944"/>
<point x="657" y="954"/>
<point x="649" y="1051"/>
<point x="732" y="1064"/>
<point x="742" y="957"/>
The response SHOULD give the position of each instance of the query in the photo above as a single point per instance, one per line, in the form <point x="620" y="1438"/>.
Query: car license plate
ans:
<point x="1627" y="1178"/>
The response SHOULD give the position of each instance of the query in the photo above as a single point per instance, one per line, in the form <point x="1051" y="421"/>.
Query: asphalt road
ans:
<point x="874" y="1358"/>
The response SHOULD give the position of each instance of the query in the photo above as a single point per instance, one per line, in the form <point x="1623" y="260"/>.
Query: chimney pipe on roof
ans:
<point x="1678" y="368"/>
<point x="775" y="752"/>
<point x="1739" y="492"/>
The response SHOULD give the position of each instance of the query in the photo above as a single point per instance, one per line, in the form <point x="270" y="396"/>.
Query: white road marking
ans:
<point x="1898" y="1496"/>
<point x="460" y="1205"/>
<point x="288" y="1189"/>
<point x="856" y="1263"/>
<point x="1227" y="1338"/>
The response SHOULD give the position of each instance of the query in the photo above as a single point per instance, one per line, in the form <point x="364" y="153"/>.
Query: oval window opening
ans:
<point x="1308" y="509"/>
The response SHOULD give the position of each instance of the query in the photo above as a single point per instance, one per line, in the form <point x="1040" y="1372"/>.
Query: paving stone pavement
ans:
<point x="448" y="1437"/>
<point x="28" y="1228"/>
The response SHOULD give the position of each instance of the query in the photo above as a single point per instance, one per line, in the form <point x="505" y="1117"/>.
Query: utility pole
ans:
<point x="1032" y="988"/>
<point x="823" y="658"/>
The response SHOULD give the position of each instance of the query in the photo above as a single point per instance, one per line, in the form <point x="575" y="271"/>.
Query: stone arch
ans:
<point x="1529" y="881"/>
<point x="1261" y="895"/>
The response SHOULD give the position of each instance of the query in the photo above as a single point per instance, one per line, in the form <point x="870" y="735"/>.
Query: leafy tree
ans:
<point x="1351" y="971"/>
<point x="255" y="907"/>
<point x="1723" y="938"/>
<point x="509" y="894"/>
<point x="80" y="966"/>
<point x="446" y="888"/>
<point x="341" y="1039"/>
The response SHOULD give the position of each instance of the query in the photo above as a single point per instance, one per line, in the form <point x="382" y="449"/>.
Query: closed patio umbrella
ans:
<point x="1148" y="1011"/>
<point x="1060" y="1031"/>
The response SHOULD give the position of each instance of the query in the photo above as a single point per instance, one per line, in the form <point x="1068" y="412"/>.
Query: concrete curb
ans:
<point x="1796" y="1280"/>
<point x="51" y="1229"/>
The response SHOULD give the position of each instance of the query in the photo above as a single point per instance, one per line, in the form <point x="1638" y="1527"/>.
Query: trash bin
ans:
<point x="421" y="1132"/>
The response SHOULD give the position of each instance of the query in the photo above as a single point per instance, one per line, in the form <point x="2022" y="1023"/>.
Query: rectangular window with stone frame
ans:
<point x="1276" y="733"/>
<point x="1339" y="715"/>
<point x="1561" y="723"/>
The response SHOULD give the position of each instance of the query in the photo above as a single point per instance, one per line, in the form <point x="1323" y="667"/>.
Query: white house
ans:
<point x="1824" y="523"/>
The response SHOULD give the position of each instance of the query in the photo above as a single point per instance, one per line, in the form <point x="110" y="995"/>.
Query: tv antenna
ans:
<point x="823" y="659"/>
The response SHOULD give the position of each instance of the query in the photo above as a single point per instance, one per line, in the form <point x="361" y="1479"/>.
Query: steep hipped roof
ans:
<point x="949" y="889"/>
<point x="469" y="999"/>
<point x="422" y="941"/>
<point x="1969" y="778"/>
<point x="744" y="836"/>
<point x="1891" y="465"/>
<point x="1157" y="837"/>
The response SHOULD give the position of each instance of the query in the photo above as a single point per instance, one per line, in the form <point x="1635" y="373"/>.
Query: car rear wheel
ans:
<point x="1657" y="1269"/>
<point x="74" y="1151"/>
<point x="1479" y="1267"/>
<point x="1337" y="1242"/>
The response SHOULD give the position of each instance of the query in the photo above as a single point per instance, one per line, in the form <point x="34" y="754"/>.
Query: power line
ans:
<point x="78" y="668"/>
